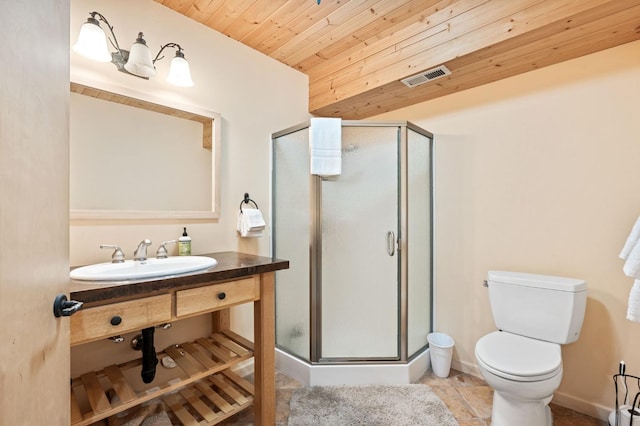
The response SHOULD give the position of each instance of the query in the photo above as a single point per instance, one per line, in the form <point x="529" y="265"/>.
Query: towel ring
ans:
<point x="247" y="200"/>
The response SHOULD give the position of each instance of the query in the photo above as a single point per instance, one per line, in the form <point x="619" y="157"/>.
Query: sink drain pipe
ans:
<point x="149" y="358"/>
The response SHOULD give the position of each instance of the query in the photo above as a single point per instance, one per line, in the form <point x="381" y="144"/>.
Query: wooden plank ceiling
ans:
<point x="355" y="52"/>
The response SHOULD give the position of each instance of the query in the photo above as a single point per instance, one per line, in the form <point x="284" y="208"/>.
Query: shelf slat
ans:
<point x="202" y="409"/>
<point x="232" y="346"/>
<point x="224" y="356"/>
<point x="76" y="413"/>
<point x="120" y="385"/>
<point x="182" y="359"/>
<point x="238" y="338"/>
<point x="96" y="396"/>
<point x="199" y="355"/>
<point x="197" y="400"/>
<point x="214" y="397"/>
<point x="242" y="382"/>
<point x="173" y="401"/>
<point x="228" y="389"/>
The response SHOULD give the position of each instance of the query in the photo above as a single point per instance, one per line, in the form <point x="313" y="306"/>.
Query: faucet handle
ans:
<point x="118" y="254"/>
<point x="162" y="252"/>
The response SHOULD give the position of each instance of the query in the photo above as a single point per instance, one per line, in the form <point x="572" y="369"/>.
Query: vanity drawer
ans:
<point x="108" y="320"/>
<point x="217" y="296"/>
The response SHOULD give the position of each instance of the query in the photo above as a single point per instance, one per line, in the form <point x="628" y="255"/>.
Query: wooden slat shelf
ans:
<point x="203" y="390"/>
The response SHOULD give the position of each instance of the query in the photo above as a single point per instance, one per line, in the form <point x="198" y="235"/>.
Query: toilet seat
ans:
<point x="518" y="358"/>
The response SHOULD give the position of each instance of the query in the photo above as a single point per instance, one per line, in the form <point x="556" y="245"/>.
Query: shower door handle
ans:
<point x="391" y="243"/>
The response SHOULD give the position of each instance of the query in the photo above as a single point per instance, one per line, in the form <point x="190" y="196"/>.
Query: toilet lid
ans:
<point x="518" y="358"/>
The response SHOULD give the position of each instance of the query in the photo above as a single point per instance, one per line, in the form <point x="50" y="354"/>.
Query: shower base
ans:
<point x="353" y="374"/>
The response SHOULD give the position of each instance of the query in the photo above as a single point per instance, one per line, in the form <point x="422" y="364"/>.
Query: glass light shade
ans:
<point x="140" y="62"/>
<point x="179" y="72"/>
<point x="92" y="42"/>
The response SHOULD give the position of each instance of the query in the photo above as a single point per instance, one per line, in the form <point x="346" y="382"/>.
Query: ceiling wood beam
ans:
<point x="474" y="30"/>
<point x="495" y="63"/>
<point x="355" y="52"/>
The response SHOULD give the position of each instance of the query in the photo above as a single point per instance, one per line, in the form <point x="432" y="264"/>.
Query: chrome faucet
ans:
<point x="117" y="256"/>
<point x="162" y="252"/>
<point x="141" y="252"/>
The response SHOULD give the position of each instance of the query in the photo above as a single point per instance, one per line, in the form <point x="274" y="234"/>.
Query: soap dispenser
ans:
<point x="184" y="244"/>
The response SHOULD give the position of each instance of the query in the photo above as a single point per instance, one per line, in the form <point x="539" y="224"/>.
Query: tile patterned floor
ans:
<point x="468" y="398"/>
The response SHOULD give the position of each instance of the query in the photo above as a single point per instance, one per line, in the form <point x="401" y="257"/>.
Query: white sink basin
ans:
<point x="150" y="268"/>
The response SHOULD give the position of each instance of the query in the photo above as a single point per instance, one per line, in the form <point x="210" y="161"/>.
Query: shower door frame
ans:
<point x="315" y="249"/>
<point x="316" y="333"/>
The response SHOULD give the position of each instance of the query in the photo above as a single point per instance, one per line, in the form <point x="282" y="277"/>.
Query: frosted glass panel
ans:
<point x="291" y="240"/>
<point x="418" y="240"/>
<point x="359" y="278"/>
<point x="341" y="298"/>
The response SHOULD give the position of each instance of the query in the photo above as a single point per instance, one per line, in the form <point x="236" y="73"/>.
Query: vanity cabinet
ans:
<point x="202" y="389"/>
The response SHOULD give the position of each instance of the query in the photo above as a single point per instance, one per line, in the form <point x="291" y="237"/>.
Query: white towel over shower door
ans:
<point x="359" y="276"/>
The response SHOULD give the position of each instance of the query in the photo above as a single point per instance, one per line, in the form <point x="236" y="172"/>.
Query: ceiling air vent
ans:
<point x="426" y="76"/>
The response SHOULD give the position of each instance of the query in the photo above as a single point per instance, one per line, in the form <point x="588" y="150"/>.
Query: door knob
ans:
<point x="63" y="307"/>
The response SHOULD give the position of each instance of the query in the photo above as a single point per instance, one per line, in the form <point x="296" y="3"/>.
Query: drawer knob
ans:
<point x="116" y="320"/>
<point x="222" y="295"/>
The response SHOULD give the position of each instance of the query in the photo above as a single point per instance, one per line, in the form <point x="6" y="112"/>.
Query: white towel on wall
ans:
<point x="631" y="266"/>
<point x="250" y="223"/>
<point x="632" y="240"/>
<point x="633" y="310"/>
<point x="325" y="146"/>
<point x="252" y="234"/>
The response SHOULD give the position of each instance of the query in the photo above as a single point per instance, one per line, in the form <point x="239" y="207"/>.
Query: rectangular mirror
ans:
<point x="131" y="158"/>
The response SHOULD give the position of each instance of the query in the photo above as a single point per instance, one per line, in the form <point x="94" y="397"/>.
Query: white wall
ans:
<point x="539" y="173"/>
<point x="255" y="95"/>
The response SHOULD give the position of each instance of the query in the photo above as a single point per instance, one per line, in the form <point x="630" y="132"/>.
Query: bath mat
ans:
<point x="379" y="405"/>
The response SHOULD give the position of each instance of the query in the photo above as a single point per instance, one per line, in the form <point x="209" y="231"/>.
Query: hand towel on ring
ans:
<point x="250" y="223"/>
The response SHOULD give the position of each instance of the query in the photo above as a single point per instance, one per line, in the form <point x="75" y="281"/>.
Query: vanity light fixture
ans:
<point x="92" y="44"/>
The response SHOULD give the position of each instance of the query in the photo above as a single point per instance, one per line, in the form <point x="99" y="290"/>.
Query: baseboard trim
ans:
<point x="582" y="406"/>
<point x="466" y="367"/>
<point x="577" y="404"/>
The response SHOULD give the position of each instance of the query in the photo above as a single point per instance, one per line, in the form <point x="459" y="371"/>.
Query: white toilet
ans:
<point x="522" y="361"/>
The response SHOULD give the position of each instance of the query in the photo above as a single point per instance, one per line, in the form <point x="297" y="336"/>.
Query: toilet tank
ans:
<point x="543" y="307"/>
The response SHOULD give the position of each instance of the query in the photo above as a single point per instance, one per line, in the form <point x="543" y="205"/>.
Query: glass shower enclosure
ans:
<point x="359" y="287"/>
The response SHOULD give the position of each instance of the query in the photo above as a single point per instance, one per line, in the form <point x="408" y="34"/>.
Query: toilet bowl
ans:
<point x="522" y="362"/>
<point x="524" y="373"/>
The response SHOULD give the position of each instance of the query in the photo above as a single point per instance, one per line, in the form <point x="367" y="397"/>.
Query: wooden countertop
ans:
<point x="231" y="265"/>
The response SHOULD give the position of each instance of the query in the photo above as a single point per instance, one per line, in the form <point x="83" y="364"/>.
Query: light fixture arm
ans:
<point x="92" y="44"/>
<point x="174" y="45"/>
<point x="113" y="42"/>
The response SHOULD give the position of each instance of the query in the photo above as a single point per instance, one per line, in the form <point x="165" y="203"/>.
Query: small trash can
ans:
<point x="440" y="350"/>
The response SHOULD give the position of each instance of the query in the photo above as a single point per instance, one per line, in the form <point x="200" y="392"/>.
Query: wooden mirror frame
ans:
<point x="211" y="133"/>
